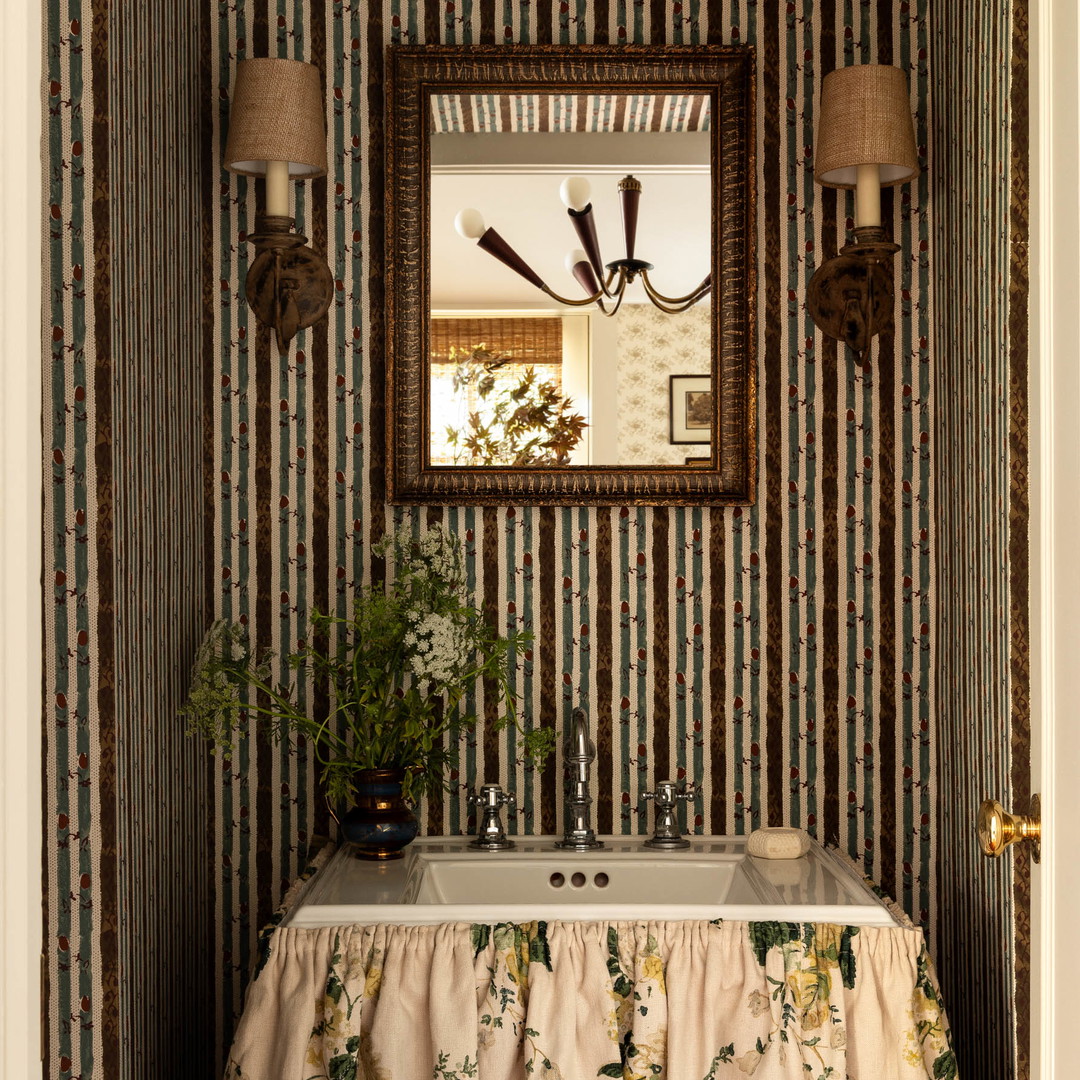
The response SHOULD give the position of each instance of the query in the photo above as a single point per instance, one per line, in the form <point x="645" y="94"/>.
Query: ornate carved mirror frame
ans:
<point x="723" y="74"/>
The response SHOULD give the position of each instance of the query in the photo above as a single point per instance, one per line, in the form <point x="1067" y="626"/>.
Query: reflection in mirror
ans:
<point x="518" y="376"/>
<point x="555" y="338"/>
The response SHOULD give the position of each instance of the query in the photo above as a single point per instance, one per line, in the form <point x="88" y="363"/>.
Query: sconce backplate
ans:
<point x="289" y="287"/>
<point x="850" y="297"/>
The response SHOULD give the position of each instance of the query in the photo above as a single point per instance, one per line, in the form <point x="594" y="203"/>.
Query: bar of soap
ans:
<point x="778" y="843"/>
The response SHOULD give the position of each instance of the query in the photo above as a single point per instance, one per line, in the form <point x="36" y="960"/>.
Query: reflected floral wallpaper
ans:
<point x="651" y="347"/>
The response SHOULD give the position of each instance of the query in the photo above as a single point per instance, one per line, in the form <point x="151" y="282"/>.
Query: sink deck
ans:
<point x="440" y="880"/>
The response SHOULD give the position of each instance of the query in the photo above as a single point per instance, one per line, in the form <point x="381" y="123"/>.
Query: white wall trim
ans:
<point x="20" y="539"/>
<point x="1055" y="570"/>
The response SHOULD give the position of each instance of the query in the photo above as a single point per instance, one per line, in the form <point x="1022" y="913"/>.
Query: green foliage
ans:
<point x="481" y="935"/>
<point x="396" y="670"/>
<point x="528" y="423"/>
<point x="539" y="950"/>
<point x="846" y="957"/>
<point x="764" y="935"/>
<point x="723" y="1057"/>
<point x="342" y="1067"/>
<point x="945" y="1066"/>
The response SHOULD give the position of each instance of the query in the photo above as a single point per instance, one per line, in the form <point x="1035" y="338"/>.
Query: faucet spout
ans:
<point x="580" y="749"/>
<point x="579" y="752"/>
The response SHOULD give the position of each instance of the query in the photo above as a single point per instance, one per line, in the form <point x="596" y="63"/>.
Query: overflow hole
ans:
<point x="600" y="880"/>
<point x="578" y="880"/>
<point x="557" y="880"/>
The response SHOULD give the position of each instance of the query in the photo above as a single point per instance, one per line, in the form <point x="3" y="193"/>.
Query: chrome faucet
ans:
<point x="578" y="755"/>
<point x="490" y="834"/>
<point x="667" y="836"/>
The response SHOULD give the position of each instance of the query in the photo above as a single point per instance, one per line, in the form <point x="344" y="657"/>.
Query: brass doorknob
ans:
<point x="998" y="829"/>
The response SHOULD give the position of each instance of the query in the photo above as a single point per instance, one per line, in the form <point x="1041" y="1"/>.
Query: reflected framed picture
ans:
<point x="691" y="409"/>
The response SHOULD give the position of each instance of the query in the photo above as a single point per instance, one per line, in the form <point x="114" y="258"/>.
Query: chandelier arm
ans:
<point x="596" y="297"/>
<point x="585" y="226"/>
<point x="670" y="309"/>
<point x="618" y="298"/>
<point x="678" y="303"/>
<point x="605" y="283"/>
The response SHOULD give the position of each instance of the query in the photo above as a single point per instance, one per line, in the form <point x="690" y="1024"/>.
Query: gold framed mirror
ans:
<point x="518" y="374"/>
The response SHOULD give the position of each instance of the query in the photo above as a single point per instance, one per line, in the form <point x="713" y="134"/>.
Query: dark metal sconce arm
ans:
<point x="850" y="297"/>
<point x="288" y="286"/>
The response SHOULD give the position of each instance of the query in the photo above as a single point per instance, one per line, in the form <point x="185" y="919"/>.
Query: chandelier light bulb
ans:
<point x="573" y="258"/>
<point x="470" y="224"/>
<point x="575" y="192"/>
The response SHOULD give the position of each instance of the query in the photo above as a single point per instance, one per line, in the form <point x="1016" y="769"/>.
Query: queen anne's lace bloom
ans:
<point x="440" y="648"/>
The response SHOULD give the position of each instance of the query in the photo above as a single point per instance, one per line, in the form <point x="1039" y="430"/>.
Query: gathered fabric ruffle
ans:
<point x="575" y="1000"/>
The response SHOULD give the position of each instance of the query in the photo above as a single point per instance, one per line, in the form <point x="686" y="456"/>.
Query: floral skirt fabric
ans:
<point x="573" y="1001"/>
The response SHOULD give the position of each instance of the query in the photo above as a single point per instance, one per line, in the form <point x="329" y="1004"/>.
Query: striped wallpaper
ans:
<point x="780" y="655"/>
<point x="980" y="299"/>
<point x="127" y="859"/>
<point x="783" y="655"/>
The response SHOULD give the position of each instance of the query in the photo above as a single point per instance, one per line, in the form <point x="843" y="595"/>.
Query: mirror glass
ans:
<point x="570" y="275"/>
<point x="518" y="378"/>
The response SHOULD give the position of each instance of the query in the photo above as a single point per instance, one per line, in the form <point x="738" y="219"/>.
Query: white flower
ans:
<point x="440" y="649"/>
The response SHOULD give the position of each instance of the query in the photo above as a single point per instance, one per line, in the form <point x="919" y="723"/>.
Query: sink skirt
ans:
<point x="576" y="1000"/>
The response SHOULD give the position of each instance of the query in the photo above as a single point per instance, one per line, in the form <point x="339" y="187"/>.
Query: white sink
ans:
<point x="441" y="880"/>
<point x="564" y="878"/>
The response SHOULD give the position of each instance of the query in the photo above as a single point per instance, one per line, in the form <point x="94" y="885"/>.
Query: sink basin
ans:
<point x="441" y="880"/>
<point x="565" y="878"/>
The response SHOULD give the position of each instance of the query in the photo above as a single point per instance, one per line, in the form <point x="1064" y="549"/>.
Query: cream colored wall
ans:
<point x="20" y="542"/>
<point x="1055" y="576"/>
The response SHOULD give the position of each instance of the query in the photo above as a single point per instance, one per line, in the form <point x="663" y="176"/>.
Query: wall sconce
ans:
<point x="865" y="139"/>
<point x="277" y="131"/>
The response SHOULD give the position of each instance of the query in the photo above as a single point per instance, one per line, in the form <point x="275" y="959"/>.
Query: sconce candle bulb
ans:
<point x="277" y="188"/>
<point x="868" y="195"/>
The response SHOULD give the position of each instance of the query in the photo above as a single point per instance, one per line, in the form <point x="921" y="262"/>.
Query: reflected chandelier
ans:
<point x="585" y="265"/>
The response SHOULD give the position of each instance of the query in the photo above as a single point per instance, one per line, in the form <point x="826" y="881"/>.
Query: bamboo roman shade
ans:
<point x="535" y="341"/>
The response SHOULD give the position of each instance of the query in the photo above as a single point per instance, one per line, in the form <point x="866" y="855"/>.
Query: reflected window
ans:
<point x="508" y="390"/>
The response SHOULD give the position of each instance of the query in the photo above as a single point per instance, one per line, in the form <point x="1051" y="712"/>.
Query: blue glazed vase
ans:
<point x="381" y="823"/>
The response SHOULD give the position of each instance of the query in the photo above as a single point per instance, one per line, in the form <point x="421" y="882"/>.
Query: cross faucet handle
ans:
<point x="667" y="836"/>
<point x="666" y="793"/>
<point x="493" y="796"/>
<point x="490" y="835"/>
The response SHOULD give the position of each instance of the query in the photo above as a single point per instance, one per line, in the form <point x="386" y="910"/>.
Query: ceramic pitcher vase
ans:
<point x="381" y="823"/>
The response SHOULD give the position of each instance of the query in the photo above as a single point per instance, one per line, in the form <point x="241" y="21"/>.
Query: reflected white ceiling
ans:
<point x="673" y="234"/>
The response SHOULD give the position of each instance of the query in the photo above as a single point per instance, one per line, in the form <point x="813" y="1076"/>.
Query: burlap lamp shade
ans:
<point x="277" y="115"/>
<point x="865" y="119"/>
